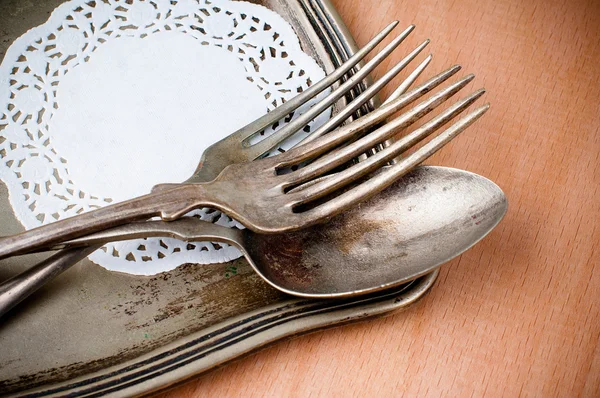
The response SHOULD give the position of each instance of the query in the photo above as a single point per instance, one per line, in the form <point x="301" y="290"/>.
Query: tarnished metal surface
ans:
<point x="196" y="352"/>
<point x="92" y="326"/>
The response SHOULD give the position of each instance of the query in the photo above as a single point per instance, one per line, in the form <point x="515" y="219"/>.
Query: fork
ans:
<point x="266" y="200"/>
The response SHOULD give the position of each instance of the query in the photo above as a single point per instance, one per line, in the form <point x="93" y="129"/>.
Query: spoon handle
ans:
<point x="169" y="204"/>
<point x="188" y="229"/>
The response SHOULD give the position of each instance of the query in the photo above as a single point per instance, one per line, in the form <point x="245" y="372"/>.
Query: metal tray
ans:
<point x="94" y="332"/>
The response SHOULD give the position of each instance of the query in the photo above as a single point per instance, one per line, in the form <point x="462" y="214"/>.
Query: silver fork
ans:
<point x="266" y="201"/>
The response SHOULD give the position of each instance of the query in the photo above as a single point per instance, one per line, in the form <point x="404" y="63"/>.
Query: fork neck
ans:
<point x="168" y="204"/>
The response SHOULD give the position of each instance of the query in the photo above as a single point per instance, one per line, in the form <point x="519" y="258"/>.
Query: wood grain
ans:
<point x="519" y="313"/>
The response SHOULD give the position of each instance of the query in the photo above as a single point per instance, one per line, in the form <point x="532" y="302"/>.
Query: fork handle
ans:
<point x="168" y="204"/>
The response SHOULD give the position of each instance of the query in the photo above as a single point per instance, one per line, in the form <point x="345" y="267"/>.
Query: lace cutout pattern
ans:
<point x="54" y="96"/>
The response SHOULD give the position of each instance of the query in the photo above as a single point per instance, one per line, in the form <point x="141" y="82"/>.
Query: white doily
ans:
<point x="109" y="98"/>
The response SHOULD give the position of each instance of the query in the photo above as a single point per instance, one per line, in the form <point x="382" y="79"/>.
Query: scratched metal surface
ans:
<point x="90" y="319"/>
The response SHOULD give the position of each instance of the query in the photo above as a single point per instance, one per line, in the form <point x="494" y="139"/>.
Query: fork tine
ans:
<point x="342" y="155"/>
<point x="405" y="85"/>
<point x="356" y="171"/>
<point x="281" y="111"/>
<point x="359" y="101"/>
<point x="328" y="142"/>
<point x="389" y="175"/>
<point x="291" y="128"/>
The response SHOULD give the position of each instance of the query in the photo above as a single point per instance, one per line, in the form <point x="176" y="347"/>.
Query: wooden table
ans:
<point x="519" y="314"/>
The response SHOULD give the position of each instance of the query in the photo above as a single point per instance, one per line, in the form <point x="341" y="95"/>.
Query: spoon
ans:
<point x="423" y="220"/>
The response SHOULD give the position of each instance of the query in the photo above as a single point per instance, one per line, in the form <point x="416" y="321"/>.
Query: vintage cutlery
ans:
<point x="425" y="219"/>
<point x="16" y="289"/>
<point x="21" y="286"/>
<point x="264" y="199"/>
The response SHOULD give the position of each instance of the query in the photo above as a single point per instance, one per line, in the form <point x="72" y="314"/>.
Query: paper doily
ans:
<point x="108" y="98"/>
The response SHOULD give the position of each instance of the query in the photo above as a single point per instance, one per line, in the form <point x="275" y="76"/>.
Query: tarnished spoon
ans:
<point x="425" y="219"/>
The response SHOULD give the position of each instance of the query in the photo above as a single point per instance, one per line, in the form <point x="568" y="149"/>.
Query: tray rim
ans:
<point x="210" y="349"/>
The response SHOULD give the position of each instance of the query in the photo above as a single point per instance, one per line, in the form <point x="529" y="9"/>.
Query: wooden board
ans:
<point x="519" y="313"/>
